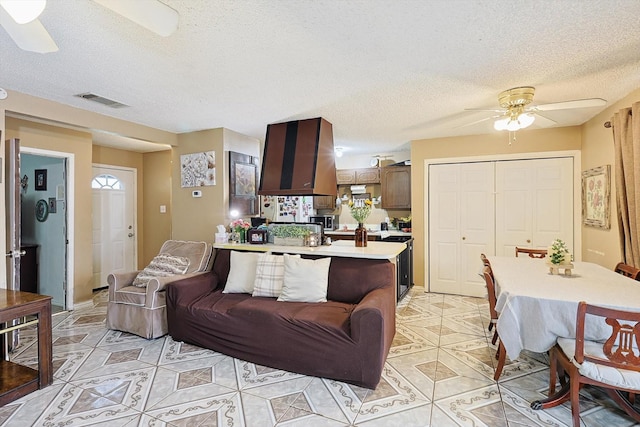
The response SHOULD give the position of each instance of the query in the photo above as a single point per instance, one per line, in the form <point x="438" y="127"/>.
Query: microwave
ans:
<point x="329" y="222"/>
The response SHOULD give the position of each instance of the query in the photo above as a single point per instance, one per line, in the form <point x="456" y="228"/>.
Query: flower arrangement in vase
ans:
<point x="559" y="253"/>
<point x="559" y="258"/>
<point x="360" y="210"/>
<point x="239" y="227"/>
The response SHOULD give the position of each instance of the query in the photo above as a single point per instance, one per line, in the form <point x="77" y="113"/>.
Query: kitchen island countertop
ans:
<point x="341" y="248"/>
<point x="382" y="234"/>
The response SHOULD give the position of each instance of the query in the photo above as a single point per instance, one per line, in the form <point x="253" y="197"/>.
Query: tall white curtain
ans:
<point x="626" y="140"/>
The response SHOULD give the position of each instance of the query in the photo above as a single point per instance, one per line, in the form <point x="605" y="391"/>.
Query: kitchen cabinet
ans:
<point x="396" y="187"/>
<point x="358" y="176"/>
<point x="324" y="202"/>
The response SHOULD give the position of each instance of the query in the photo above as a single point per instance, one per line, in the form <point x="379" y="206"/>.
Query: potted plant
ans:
<point x="559" y="257"/>
<point x="290" y="235"/>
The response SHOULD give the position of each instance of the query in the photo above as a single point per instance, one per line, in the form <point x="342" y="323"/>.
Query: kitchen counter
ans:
<point x="341" y="248"/>
<point x="383" y="234"/>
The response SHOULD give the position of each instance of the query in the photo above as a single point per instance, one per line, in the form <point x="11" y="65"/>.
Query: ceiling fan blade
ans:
<point x="495" y="110"/>
<point x="578" y="103"/>
<point x="543" y="121"/>
<point x="32" y="37"/>
<point x="152" y="14"/>
<point x="478" y="121"/>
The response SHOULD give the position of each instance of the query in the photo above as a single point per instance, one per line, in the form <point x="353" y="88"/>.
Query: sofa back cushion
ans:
<point x="350" y="279"/>
<point x="200" y="254"/>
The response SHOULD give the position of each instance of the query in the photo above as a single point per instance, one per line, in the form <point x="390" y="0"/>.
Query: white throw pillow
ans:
<point x="162" y="265"/>
<point x="305" y="280"/>
<point x="269" y="275"/>
<point x="242" y="273"/>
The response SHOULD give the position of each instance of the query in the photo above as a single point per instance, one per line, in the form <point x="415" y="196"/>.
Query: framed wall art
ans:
<point x="596" y="195"/>
<point x="198" y="169"/>
<point x="243" y="183"/>
<point x="41" y="180"/>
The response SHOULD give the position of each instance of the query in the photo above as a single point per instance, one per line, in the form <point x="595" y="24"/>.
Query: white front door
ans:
<point x="114" y="234"/>
<point x="461" y="222"/>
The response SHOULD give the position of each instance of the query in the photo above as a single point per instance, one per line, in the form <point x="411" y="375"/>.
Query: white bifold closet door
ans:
<point x="492" y="207"/>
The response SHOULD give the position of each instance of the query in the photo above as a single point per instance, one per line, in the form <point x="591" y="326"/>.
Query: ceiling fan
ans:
<point x="19" y="18"/>
<point x="516" y="111"/>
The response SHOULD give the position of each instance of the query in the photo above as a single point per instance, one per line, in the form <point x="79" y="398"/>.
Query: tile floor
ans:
<point x="439" y="373"/>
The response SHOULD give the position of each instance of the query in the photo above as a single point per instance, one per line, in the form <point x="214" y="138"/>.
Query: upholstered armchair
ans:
<point x="137" y="299"/>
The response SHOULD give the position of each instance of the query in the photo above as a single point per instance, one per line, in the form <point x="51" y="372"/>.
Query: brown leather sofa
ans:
<point x="346" y="338"/>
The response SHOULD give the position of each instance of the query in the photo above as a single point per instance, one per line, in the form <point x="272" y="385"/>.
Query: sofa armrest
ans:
<point x="375" y="316"/>
<point x="158" y="284"/>
<point x="117" y="281"/>
<point x="190" y="288"/>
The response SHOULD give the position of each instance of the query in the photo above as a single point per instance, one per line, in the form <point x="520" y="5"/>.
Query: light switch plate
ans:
<point x="196" y="193"/>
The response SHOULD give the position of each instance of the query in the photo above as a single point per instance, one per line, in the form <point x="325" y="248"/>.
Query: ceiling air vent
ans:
<point x="101" y="100"/>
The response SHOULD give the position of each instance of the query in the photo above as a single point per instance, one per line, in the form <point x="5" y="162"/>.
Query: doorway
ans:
<point x="45" y="218"/>
<point x="114" y="222"/>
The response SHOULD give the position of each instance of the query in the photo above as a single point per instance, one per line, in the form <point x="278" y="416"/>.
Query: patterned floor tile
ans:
<point x="196" y="379"/>
<point x="219" y="410"/>
<point x="439" y="373"/>
<point x="250" y="375"/>
<point x="479" y="407"/>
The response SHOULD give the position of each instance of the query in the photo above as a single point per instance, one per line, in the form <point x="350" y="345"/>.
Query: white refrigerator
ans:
<point x="286" y="208"/>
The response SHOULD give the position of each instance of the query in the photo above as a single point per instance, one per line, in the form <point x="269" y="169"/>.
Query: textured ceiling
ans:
<point x="383" y="72"/>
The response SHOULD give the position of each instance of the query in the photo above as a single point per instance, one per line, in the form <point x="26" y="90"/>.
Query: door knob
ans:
<point x="130" y="234"/>
<point x="528" y="240"/>
<point x="464" y="238"/>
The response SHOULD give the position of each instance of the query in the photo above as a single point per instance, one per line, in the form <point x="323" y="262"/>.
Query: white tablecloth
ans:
<point x="537" y="307"/>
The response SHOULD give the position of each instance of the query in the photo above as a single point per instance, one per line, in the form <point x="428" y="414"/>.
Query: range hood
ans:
<point x="298" y="159"/>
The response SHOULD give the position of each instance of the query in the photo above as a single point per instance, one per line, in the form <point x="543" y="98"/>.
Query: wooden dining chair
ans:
<point x="485" y="260"/>
<point x="501" y="354"/>
<point x="613" y="365"/>
<point x="486" y="263"/>
<point x="628" y="270"/>
<point x="533" y="253"/>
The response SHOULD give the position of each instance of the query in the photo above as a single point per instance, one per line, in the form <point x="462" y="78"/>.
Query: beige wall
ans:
<point x="62" y="140"/>
<point x="78" y="142"/>
<point x="603" y="246"/>
<point x="197" y="218"/>
<point x="530" y="141"/>
<point x="156" y="192"/>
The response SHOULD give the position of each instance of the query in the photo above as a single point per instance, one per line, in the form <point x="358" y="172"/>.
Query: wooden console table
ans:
<point x="19" y="380"/>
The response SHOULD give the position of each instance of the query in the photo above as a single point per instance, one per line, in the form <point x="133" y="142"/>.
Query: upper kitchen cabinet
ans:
<point x="396" y="187"/>
<point x="358" y="176"/>
<point x="324" y="202"/>
<point x="299" y="159"/>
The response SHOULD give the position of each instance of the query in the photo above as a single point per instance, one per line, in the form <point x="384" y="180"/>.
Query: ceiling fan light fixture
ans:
<point x="23" y="11"/>
<point x="501" y="124"/>
<point x="525" y="120"/>
<point x="513" y="126"/>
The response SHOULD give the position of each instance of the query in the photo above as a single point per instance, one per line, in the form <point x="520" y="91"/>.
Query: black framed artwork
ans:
<point x="243" y="183"/>
<point x="41" y="180"/>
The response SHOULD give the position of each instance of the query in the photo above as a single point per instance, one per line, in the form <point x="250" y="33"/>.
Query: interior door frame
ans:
<point x="577" y="193"/>
<point x="70" y="210"/>
<point x="134" y="205"/>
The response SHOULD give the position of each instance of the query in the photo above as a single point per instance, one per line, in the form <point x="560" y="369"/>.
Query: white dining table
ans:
<point x="536" y="307"/>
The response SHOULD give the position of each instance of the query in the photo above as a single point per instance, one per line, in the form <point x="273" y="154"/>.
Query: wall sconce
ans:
<point x="338" y="151"/>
